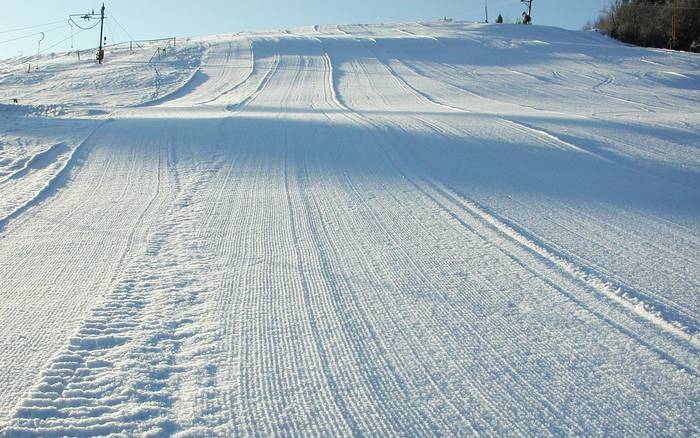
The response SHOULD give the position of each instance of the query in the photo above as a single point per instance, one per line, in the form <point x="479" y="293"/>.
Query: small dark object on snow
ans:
<point x="526" y="18"/>
<point x="15" y="101"/>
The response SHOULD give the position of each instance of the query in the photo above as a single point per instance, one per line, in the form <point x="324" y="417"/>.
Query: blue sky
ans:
<point x="160" y="18"/>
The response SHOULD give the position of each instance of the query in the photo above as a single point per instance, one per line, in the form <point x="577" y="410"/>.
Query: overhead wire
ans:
<point x="60" y="42"/>
<point x="111" y="14"/>
<point x="70" y="18"/>
<point x="71" y="23"/>
<point x="36" y="56"/>
<point x="30" y="27"/>
<point x="109" y="32"/>
<point x="114" y="37"/>
<point x="33" y="34"/>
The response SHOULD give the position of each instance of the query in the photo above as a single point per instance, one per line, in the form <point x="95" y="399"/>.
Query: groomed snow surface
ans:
<point x="392" y="230"/>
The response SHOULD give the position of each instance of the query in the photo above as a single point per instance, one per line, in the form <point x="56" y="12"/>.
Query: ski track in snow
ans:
<point x="414" y="229"/>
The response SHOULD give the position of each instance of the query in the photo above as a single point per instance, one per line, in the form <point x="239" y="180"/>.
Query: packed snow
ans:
<point x="411" y="229"/>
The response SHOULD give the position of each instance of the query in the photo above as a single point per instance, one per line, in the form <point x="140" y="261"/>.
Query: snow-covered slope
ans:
<point x="74" y="84"/>
<point x="409" y="229"/>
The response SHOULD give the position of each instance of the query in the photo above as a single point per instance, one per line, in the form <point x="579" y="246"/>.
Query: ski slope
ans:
<point x="415" y="229"/>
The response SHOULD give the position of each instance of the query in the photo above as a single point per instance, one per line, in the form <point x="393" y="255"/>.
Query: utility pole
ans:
<point x="89" y="17"/>
<point x="100" y="51"/>
<point x="486" y="9"/>
<point x="529" y="7"/>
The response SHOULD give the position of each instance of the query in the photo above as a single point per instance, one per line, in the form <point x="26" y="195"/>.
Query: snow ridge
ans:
<point x="151" y="319"/>
<point x="55" y="183"/>
<point x="665" y="318"/>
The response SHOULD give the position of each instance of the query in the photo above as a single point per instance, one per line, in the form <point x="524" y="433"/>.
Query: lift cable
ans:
<point x="125" y="31"/>
<point x="33" y="34"/>
<point x="24" y="60"/>
<point x="30" y="27"/>
<point x="58" y="43"/>
<point x="109" y="30"/>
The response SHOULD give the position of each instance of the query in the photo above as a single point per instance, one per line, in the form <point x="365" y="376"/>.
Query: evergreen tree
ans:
<point x="499" y="20"/>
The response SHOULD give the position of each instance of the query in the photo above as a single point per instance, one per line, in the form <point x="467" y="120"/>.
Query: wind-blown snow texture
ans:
<point x="413" y="229"/>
